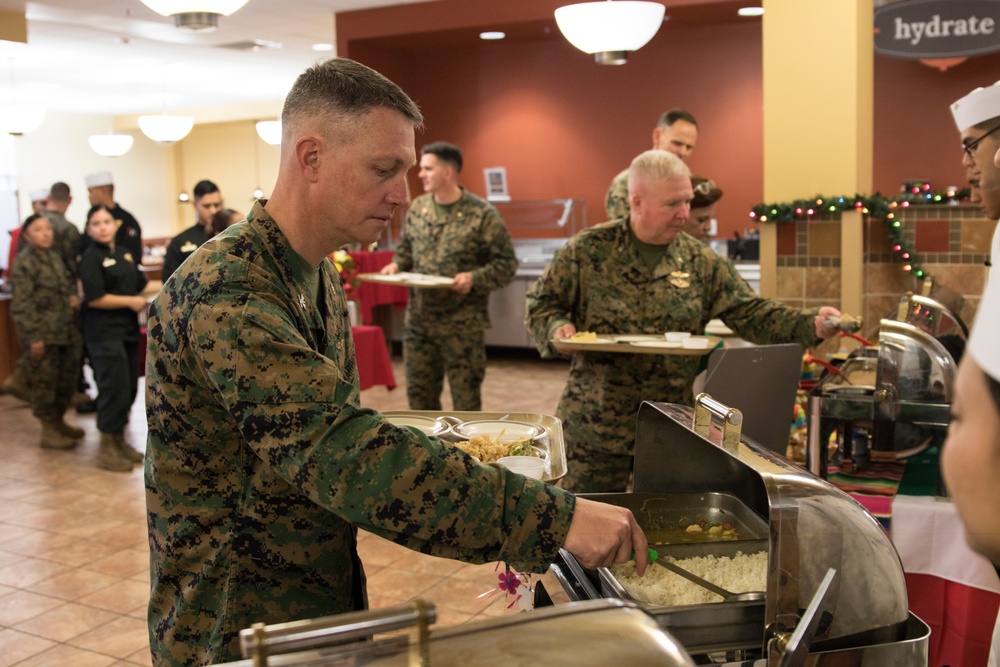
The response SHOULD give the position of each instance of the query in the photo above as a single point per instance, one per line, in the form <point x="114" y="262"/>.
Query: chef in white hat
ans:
<point x="101" y="188"/>
<point x="970" y="458"/>
<point x="39" y="198"/>
<point x="977" y="116"/>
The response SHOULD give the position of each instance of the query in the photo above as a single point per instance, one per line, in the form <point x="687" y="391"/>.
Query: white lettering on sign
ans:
<point x="917" y="30"/>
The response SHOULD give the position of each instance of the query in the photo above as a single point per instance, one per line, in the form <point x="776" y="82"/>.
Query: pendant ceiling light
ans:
<point x="270" y="131"/>
<point x="610" y="29"/>
<point x="202" y="15"/>
<point x="164" y="129"/>
<point x="18" y="119"/>
<point x="110" y="145"/>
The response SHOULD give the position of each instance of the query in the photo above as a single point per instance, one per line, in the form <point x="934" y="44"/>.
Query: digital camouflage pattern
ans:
<point x="472" y="237"/>
<point x="261" y="462"/>
<point x="41" y="309"/>
<point x="598" y="283"/>
<point x="616" y="200"/>
<point x="66" y="240"/>
<point x="460" y="355"/>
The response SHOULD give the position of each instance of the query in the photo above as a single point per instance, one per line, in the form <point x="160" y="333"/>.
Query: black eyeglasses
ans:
<point x="969" y="147"/>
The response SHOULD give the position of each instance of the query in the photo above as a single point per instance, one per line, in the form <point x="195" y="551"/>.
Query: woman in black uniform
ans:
<point x="112" y="287"/>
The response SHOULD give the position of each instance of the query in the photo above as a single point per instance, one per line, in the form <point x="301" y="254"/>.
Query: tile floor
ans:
<point x="74" y="576"/>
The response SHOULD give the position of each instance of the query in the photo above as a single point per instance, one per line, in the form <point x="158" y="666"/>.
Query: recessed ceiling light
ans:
<point x="322" y="47"/>
<point x="492" y="34"/>
<point x="750" y="11"/>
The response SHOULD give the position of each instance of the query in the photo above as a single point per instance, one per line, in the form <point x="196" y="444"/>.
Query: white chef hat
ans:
<point x="38" y="195"/>
<point x="981" y="105"/>
<point x="98" y="179"/>
<point x="982" y="341"/>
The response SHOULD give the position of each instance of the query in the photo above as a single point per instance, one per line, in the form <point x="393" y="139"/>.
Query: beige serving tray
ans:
<point x="552" y="442"/>
<point x="629" y="344"/>
<point x="405" y="279"/>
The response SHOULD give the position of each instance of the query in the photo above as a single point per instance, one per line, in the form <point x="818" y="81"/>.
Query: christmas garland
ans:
<point x="875" y="206"/>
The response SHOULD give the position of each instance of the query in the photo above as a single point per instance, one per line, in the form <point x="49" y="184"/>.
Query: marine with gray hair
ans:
<point x="641" y="275"/>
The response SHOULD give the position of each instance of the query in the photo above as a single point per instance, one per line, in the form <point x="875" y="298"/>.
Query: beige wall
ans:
<point x="58" y="151"/>
<point x="233" y="157"/>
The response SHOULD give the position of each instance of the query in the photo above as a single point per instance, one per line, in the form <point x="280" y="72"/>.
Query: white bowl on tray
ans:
<point x="529" y="466"/>
<point x="677" y="336"/>
<point x="695" y="343"/>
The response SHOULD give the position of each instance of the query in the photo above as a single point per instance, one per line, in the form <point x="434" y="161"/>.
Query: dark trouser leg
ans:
<point x="43" y="376"/>
<point x="116" y="385"/>
<point x="465" y="356"/>
<point x="595" y="471"/>
<point x="424" y="364"/>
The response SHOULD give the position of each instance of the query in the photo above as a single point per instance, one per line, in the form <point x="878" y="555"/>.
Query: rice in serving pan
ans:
<point x="740" y="574"/>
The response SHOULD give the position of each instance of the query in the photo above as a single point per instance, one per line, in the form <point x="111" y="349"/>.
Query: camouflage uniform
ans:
<point x="616" y="200"/>
<point x="261" y="463"/>
<point x="598" y="283"/>
<point x="444" y="329"/>
<point x="66" y="240"/>
<point x="41" y="310"/>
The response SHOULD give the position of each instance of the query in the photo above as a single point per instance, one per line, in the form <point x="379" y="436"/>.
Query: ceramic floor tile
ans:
<point x="65" y="621"/>
<point x="29" y="571"/>
<point x="34" y="542"/>
<point x="81" y="552"/>
<point x="64" y="656"/>
<point x="73" y="584"/>
<point x="140" y="657"/>
<point x="9" y="557"/>
<point x="121" y="597"/>
<point x="120" y="637"/>
<point x="22" y="605"/>
<point x="122" y="564"/>
<point x="17" y="646"/>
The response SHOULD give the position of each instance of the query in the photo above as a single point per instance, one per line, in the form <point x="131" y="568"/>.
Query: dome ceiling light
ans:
<point x="110" y="145"/>
<point x="270" y="131"/>
<point x="199" y="15"/>
<point x="18" y="119"/>
<point x="164" y="129"/>
<point x="610" y="29"/>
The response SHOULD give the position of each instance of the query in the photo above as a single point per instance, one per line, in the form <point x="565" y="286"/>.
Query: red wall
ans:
<point x="563" y="126"/>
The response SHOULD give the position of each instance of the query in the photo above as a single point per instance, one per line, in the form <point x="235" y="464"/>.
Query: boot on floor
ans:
<point x="16" y="385"/>
<point x="53" y="438"/>
<point x="109" y="457"/>
<point x="67" y="429"/>
<point x="129" y="452"/>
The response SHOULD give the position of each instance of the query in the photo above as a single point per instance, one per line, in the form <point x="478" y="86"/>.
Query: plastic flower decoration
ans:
<point x="348" y="270"/>
<point x="514" y="588"/>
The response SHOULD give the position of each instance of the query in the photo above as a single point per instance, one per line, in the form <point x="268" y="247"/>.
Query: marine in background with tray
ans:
<point x="643" y="275"/>
<point x="450" y="232"/>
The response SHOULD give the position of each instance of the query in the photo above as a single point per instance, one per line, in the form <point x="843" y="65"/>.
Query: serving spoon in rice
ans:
<point x="728" y="596"/>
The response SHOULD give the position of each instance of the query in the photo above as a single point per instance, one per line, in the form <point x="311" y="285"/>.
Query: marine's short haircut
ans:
<point x="671" y="116"/>
<point x="444" y="152"/>
<point x="203" y="188"/>
<point x="59" y="191"/>
<point x="343" y="91"/>
<point x="657" y="164"/>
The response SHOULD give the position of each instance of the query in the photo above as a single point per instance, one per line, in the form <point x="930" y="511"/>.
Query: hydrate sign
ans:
<point x="937" y="28"/>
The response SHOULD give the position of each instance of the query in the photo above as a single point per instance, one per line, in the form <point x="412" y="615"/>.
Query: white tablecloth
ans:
<point x="931" y="540"/>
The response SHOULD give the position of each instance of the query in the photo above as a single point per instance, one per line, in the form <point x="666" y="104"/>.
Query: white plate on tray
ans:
<point x="636" y="338"/>
<point x="661" y="344"/>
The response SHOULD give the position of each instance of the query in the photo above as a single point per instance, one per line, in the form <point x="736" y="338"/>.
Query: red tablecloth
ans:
<point x="372" y="354"/>
<point x="377" y="294"/>
<point x="960" y="617"/>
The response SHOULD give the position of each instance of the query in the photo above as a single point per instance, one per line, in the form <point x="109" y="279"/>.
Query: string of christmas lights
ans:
<point x="875" y="206"/>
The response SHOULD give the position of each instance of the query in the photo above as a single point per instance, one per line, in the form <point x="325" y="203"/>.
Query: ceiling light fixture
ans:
<point x="200" y="15"/>
<point x="110" y="145"/>
<point x="270" y="131"/>
<point x="750" y="11"/>
<point x="609" y="29"/>
<point x="164" y="129"/>
<point x="322" y="46"/>
<point x="18" y="119"/>
<point x="492" y="34"/>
